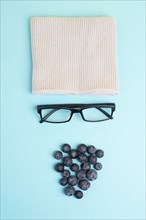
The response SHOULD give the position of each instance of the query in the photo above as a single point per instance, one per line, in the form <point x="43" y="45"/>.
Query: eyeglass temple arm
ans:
<point x="105" y="113"/>
<point x="47" y="115"/>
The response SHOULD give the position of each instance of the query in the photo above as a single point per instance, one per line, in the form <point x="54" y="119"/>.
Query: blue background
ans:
<point x="30" y="188"/>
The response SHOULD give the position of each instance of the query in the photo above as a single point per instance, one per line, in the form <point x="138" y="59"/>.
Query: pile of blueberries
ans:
<point x="84" y="171"/>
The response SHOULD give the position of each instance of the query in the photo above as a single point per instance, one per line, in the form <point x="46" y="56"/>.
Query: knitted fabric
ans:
<point x="74" y="55"/>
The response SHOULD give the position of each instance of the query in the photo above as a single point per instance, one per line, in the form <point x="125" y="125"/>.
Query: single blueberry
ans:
<point x="91" y="175"/>
<point x="66" y="173"/>
<point x="58" y="155"/>
<point x="91" y="149"/>
<point x="66" y="148"/>
<point x="85" y="166"/>
<point x="82" y="148"/>
<point x="69" y="190"/>
<point x="72" y="180"/>
<point x="99" y="153"/>
<point x="73" y="154"/>
<point x="83" y="158"/>
<point x="81" y="174"/>
<point x="67" y="161"/>
<point x="92" y="159"/>
<point x="59" y="167"/>
<point x="63" y="181"/>
<point x="97" y="166"/>
<point x="84" y="184"/>
<point x="78" y="194"/>
<point x="74" y="167"/>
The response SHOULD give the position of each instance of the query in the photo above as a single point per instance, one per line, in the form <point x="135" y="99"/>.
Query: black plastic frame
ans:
<point x="76" y="108"/>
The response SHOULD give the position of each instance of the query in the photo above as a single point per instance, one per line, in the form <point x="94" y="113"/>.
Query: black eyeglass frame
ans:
<point x="76" y="108"/>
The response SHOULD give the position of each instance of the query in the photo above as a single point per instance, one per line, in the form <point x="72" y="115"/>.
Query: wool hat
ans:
<point x="74" y="55"/>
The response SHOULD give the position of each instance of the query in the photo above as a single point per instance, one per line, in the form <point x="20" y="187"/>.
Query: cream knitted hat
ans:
<point x="74" y="55"/>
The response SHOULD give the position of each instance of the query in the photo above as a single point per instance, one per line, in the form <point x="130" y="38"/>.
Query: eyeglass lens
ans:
<point x="94" y="114"/>
<point x="60" y="115"/>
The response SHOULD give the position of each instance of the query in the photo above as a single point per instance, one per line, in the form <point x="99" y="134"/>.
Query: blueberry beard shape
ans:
<point x="78" y="167"/>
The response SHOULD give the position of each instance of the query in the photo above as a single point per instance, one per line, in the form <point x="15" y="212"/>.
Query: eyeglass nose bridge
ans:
<point x="76" y="111"/>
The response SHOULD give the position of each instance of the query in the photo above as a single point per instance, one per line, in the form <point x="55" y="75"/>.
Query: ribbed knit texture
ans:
<point x="74" y="55"/>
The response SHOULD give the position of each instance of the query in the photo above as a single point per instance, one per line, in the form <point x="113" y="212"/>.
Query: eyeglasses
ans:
<point x="61" y="113"/>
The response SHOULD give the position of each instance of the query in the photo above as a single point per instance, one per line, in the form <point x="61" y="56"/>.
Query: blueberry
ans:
<point x="67" y="161"/>
<point x="83" y="158"/>
<point x="66" y="148"/>
<point x="85" y="166"/>
<point x="91" y="149"/>
<point x="99" y="153"/>
<point x="73" y="154"/>
<point x="81" y="174"/>
<point x="84" y="184"/>
<point x="82" y="148"/>
<point x="58" y="155"/>
<point x="92" y="159"/>
<point x="59" y="167"/>
<point x="91" y="175"/>
<point x="63" y="181"/>
<point x="72" y="180"/>
<point x="66" y="173"/>
<point x="78" y="194"/>
<point x="97" y="166"/>
<point x="69" y="190"/>
<point x="74" y="167"/>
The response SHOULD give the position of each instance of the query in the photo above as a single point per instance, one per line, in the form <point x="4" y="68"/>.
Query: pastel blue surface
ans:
<point x="29" y="184"/>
